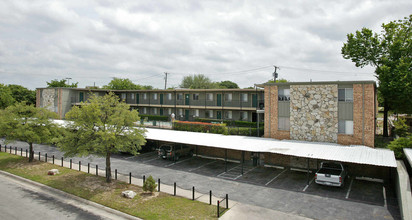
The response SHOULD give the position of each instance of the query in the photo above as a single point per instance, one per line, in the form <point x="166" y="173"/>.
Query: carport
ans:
<point x="309" y="150"/>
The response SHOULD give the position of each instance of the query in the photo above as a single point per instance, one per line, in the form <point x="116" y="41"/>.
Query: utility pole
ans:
<point x="166" y="79"/>
<point x="275" y="74"/>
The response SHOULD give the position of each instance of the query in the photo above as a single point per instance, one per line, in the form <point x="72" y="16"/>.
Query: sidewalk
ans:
<point x="247" y="212"/>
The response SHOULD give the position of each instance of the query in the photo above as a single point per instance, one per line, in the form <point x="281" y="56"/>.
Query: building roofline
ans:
<point x="159" y="90"/>
<point x="317" y="83"/>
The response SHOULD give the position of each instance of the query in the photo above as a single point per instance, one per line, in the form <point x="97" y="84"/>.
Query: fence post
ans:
<point x="193" y="193"/>
<point x="26" y="152"/>
<point x="53" y="158"/>
<point x="45" y="159"/>
<point x="227" y="201"/>
<point x="210" y="197"/>
<point x="144" y="179"/>
<point x="88" y="167"/>
<point x="130" y="177"/>
<point x="158" y="185"/>
<point x="21" y="151"/>
<point x="62" y="160"/>
<point x="80" y="165"/>
<point x="218" y="213"/>
<point x="97" y="170"/>
<point x="39" y="155"/>
<point x="115" y="174"/>
<point x="15" y="150"/>
<point x="174" y="191"/>
<point x="10" y="149"/>
<point x="70" y="163"/>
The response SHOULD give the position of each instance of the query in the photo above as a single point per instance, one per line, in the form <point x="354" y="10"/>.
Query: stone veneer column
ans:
<point x="314" y="112"/>
<point x="271" y="111"/>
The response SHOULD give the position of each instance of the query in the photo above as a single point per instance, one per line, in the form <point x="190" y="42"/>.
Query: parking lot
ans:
<point x="358" y="190"/>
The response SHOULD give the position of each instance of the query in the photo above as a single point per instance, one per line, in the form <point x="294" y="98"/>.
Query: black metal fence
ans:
<point x="125" y="177"/>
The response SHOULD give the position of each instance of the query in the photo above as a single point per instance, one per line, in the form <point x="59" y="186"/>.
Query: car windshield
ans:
<point x="166" y="147"/>
<point x="332" y="166"/>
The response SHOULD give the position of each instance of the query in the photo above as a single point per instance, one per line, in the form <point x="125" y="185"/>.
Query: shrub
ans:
<point x="231" y="122"/>
<point x="155" y="117"/>
<point x="401" y="128"/>
<point x="149" y="185"/>
<point x="398" y="144"/>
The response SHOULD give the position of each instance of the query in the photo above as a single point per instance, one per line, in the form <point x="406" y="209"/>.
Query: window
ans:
<point x="181" y="112"/>
<point x="196" y="113"/>
<point x="209" y="96"/>
<point x="284" y="123"/>
<point x="345" y="127"/>
<point x="228" y="97"/>
<point x="144" y="96"/>
<point x="243" y="97"/>
<point x="144" y="110"/>
<point x="243" y="115"/>
<point x="132" y="96"/>
<point x="209" y="113"/>
<point x="228" y="114"/>
<point x="154" y="96"/>
<point x="196" y="96"/>
<point x="155" y="111"/>
<point x="284" y="94"/>
<point x="169" y="96"/>
<point x="180" y="96"/>
<point x="169" y="111"/>
<point x="123" y="95"/>
<point x="345" y="95"/>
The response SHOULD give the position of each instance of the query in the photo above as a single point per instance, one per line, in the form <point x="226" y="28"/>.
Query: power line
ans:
<point x="325" y="71"/>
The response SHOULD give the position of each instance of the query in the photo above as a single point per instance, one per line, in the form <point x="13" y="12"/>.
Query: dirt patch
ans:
<point x="148" y="196"/>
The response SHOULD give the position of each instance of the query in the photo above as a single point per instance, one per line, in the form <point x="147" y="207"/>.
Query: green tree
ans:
<point x="21" y="94"/>
<point x="102" y="126"/>
<point x="391" y="54"/>
<point x="6" y="97"/>
<point x="27" y="123"/>
<point x="401" y="128"/>
<point x="149" y="184"/>
<point x="398" y="144"/>
<point x="278" y="81"/>
<point x="60" y="83"/>
<point x="122" y="84"/>
<point x="228" y="85"/>
<point x="198" y="81"/>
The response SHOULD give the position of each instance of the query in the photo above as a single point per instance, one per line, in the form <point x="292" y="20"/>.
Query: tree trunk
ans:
<point x="31" y="152"/>
<point x="385" y="119"/>
<point x="108" y="168"/>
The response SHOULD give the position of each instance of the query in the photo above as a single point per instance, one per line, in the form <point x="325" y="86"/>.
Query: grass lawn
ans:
<point x="87" y="186"/>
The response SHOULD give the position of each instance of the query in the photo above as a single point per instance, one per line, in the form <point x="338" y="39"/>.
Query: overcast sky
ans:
<point x="94" y="41"/>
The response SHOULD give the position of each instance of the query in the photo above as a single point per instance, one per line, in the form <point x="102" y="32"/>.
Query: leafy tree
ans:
<point x="27" y="123"/>
<point x="21" y="94"/>
<point x="149" y="184"/>
<point x="278" y="81"/>
<point x="122" y="84"/>
<point x="401" y="128"/>
<point x="391" y="54"/>
<point x="198" y="81"/>
<point x="60" y="83"/>
<point x="103" y="126"/>
<point x="228" y="85"/>
<point x="6" y="97"/>
<point x="397" y="146"/>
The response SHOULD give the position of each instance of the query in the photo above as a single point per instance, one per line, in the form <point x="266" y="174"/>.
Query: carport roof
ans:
<point x="408" y="153"/>
<point x="325" y="151"/>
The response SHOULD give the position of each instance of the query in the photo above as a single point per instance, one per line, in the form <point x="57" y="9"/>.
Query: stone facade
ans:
<point x="48" y="99"/>
<point x="314" y="113"/>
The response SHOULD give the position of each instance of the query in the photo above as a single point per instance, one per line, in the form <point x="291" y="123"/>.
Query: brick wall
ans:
<point x="364" y="112"/>
<point x="271" y="115"/>
<point x="218" y="152"/>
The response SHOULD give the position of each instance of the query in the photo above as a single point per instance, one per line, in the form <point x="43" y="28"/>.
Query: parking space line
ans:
<point x="202" y="166"/>
<point x="150" y="160"/>
<point x="275" y="177"/>
<point x="310" y="182"/>
<point x="169" y="165"/>
<point x="244" y="173"/>
<point x="384" y="198"/>
<point x="350" y="187"/>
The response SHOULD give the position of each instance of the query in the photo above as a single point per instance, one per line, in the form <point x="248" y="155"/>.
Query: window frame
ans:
<point x="346" y="92"/>
<point x="284" y="123"/>
<point x="209" y="96"/>
<point x="284" y="98"/>
<point x="228" y="97"/>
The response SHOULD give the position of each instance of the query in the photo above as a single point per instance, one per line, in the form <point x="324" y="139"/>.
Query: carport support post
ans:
<point x="225" y="160"/>
<point x="307" y="174"/>
<point x="243" y="160"/>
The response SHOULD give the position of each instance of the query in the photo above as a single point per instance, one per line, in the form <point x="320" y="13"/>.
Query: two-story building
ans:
<point x="186" y="104"/>
<point x="342" y="112"/>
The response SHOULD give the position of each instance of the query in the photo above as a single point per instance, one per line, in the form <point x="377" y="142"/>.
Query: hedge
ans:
<point x="231" y="122"/>
<point x="154" y="117"/>
<point x="216" y="129"/>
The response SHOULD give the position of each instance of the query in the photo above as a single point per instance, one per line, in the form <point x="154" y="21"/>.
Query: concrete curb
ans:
<point x="70" y="196"/>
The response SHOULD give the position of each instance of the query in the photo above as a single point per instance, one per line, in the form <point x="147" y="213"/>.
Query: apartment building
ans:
<point x="186" y="104"/>
<point x="342" y="112"/>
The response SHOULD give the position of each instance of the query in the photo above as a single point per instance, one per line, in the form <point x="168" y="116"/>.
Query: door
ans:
<point x="161" y="111"/>
<point x="81" y="97"/>
<point x="187" y="98"/>
<point x="187" y="115"/>
<point x="219" y="114"/>
<point x="254" y="100"/>
<point x="137" y="98"/>
<point x="219" y="99"/>
<point x="161" y="98"/>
